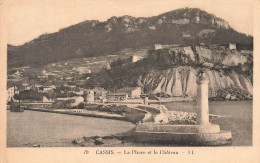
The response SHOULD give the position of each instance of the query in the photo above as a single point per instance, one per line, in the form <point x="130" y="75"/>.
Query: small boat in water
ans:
<point x="16" y="107"/>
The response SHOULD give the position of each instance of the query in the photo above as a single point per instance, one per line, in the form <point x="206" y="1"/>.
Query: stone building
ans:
<point x="89" y="96"/>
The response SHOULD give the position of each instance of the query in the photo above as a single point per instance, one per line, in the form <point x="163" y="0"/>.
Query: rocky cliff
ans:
<point x="204" y="55"/>
<point x="181" y="81"/>
<point x="173" y="71"/>
<point x="225" y="68"/>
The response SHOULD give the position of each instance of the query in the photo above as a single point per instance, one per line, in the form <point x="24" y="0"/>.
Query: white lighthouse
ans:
<point x="202" y="100"/>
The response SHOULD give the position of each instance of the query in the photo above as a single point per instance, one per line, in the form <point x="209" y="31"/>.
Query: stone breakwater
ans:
<point x="87" y="114"/>
<point x="125" y="139"/>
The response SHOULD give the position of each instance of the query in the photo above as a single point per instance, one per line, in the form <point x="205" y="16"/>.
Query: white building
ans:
<point x="136" y="58"/>
<point x="232" y="46"/>
<point x="17" y="74"/>
<point x="117" y="96"/>
<point x="38" y="87"/>
<point x="133" y="92"/>
<point x="46" y="89"/>
<point x="11" y="91"/>
<point x="26" y="86"/>
<point x="160" y="46"/>
<point x="45" y="99"/>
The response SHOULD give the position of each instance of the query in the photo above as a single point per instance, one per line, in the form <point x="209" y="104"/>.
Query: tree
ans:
<point x="80" y="105"/>
<point x="30" y="95"/>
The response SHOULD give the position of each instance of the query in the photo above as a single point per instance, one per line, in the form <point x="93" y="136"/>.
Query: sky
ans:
<point x="27" y="19"/>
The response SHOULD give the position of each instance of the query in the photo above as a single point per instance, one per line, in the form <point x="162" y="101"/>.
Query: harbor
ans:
<point x="237" y="118"/>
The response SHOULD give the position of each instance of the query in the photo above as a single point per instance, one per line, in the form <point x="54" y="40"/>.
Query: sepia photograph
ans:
<point x="130" y="74"/>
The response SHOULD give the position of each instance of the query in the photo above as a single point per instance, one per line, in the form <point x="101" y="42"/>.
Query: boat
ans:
<point x="16" y="107"/>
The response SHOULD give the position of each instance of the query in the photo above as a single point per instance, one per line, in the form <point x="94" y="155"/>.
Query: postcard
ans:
<point x="132" y="81"/>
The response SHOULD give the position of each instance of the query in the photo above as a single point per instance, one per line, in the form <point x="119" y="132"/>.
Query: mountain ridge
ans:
<point x="93" y="38"/>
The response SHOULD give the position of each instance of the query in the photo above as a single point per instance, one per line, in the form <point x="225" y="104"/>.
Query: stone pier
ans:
<point x="202" y="133"/>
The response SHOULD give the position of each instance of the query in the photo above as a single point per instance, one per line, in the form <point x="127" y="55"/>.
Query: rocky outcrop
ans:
<point x="181" y="81"/>
<point x="203" y="54"/>
<point x="234" y="60"/>
<point x="181" y="21"/>
<point x="180" y="117"/>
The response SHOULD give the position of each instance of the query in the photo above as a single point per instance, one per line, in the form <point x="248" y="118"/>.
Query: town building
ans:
<point x="46" y="89"/>
<point x="11" y="91"/>
<point x="132" y="92"/>
<point x="45" y="99"/>
<point x="37" y="87"/>
<point x="125" y="93"/>
<point x="232" y="46"/>
<point x="118" y="96"/>
<point x="43" y="76"/>
<point x="136" y="58"/>
<point x="26" y="86"/>
<point x="89" y="96"/>
<point x="99" y="92"/>
<point x="17" y="74"/>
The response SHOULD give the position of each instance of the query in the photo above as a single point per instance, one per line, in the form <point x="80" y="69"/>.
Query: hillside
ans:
<point x="90" y="38"/>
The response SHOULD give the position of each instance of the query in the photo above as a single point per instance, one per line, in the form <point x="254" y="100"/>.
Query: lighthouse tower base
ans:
<point x="202" y="133"/>
<point x="209" y="134"/>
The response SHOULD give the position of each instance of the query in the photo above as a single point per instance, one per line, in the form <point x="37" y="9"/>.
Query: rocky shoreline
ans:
<point x="232" y="94"/>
